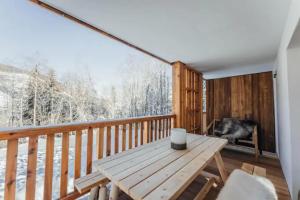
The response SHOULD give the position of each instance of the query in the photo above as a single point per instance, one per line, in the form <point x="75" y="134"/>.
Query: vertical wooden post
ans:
<point x="11" y="169"/>
<point x="31" y="167"/>
<point x="116" y="139"/>
<point x="108" y="141"/>
<point x="177" y="94"/>
<point x="146" y="132"/>
<point x="49" y="167"/>
<point x="136" y="127"/>
<point x="77" y="163"/>
<point x="187" y="91"/>
<point x="89" y="151"/>
<point x="100" y="142"/>
<point x="124" y="137"/>
<point x="64" y="164"/>
<point x="130" y="136"/>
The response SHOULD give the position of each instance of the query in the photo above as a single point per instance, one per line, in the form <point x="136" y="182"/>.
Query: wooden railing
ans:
<point x="129" y="133"/>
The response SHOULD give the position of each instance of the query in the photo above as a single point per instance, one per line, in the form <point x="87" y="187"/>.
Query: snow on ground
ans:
<point x="22" y="165"/>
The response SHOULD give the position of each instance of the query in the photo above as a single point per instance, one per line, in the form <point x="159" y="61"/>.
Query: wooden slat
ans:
<point x="151" y="131"/>
<point x="159" y="129"/>
<point x="89" y="181"/>
<point x="147" y="185"/>
<point x="145" y="155"/>
<point x="155" y="130"/>
<point x="77" y="163"/>
<point x="137" y="177"/>
<point x="31" y="167"/>
<point x="128" y="157"/>
<point x="124" y="137"/>
<point x="163" y="128"/>
<point x="140" y="161"/>
<point x="248" y="168"/>
<point x="142" y="133"/>
<point x="210" y="175"/>
<point x="259" y="171"/>
<point x="89" y="151"/>
<point x="116" y="140"/>
<point x="205" y="189"/>
<point x="11" y="169"/>
<point x="130" y="136"/>
<point x="136" y="126"/>
<point x="108" y="141"/>
<point x="146" y="132"/>
<point x="49" y="167"/>
<point x="167" y="127"/>
<point x="64" y="164"/>
<point x="126" y="153"/>
<point x="100" y="142"/>
<point x="176" y="184"/>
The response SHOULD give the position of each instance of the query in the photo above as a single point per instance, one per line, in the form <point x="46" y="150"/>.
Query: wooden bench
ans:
<point x="92" y="182"/>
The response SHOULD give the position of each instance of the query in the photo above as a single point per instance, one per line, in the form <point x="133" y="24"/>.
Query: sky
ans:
<point x="31" y="34"/>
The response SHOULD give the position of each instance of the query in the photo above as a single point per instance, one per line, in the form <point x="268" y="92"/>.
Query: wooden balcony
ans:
<point x="111" y="137"/>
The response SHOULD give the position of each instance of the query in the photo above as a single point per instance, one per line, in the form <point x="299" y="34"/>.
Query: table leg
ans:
<point x="114" y="193"/>
<point x="221" y="167"/>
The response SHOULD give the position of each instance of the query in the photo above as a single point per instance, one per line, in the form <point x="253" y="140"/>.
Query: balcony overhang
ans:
<point x="206" y="35"/>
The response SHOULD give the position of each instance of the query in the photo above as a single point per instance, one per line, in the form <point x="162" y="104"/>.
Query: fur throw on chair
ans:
<point x="232" y="129"/>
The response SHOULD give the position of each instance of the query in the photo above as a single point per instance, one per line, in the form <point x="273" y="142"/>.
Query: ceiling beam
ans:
<point x="70" y="17"/>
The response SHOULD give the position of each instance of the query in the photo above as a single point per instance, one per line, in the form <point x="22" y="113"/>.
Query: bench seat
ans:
<point x="90" y="181"/>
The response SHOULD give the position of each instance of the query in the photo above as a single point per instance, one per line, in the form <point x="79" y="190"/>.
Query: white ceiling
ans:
<point x="206" y="34"/>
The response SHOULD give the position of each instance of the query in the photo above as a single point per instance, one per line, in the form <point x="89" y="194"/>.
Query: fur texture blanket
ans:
<point x="233" y="129"/>
<point x="243" y="186"/>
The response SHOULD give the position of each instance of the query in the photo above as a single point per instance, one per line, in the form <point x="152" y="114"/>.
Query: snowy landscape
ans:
<point x="36" y="97"/>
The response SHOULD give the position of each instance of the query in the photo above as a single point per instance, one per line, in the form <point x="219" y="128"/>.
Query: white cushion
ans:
<point x="243" y="186"/>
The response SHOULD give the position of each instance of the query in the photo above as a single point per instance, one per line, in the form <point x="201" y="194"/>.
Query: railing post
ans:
<point x="146" y="132"/>
<point x="11" y="169"/>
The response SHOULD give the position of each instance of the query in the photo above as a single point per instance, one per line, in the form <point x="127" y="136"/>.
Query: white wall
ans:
<point x="288" y="102"/>
<point x="293" y="59"/>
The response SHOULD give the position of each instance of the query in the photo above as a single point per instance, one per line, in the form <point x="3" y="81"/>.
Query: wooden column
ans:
<point x="178" y="97"/>
<point x="187" y="97"/>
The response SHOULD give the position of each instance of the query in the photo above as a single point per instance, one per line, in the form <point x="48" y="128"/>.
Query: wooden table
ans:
<point x="155" y="171"/>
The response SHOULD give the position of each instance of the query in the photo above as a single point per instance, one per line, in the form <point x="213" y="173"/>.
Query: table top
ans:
<point x="155" y="170"/>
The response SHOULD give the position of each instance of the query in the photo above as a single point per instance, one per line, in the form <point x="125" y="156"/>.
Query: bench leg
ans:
<point x="114" y="193"/>
<point x="221" y="167"/>
<point x="93" y="193"/>
<point x="102" y="193"/>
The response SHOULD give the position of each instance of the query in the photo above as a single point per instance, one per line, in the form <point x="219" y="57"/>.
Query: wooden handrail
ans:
<point x="147" y="129"/>
<point x="7" y="134"/>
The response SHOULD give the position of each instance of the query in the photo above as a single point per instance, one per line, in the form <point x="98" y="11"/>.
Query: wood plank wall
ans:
<point x="187" y="97"/>
<point x="245" y="97"/>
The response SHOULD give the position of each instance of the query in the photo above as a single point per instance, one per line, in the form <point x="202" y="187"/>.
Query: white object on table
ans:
<point x="178" y="135"/>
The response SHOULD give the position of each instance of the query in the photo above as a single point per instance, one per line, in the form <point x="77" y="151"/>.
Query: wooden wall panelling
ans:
<point x="266" y="111"/>
<point x="245" y="97"/>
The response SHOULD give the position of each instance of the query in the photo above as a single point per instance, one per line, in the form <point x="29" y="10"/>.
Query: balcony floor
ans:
<point x="234" y="160"/>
